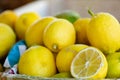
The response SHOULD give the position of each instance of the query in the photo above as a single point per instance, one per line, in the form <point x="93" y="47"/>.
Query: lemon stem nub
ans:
<point x="55" y="47"/>
<point x="90" y="12"/>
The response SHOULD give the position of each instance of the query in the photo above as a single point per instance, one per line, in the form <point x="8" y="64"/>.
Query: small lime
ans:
<point x="69" y="15"/>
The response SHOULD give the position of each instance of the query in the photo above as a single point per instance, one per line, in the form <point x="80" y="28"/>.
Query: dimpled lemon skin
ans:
<point x="7" y="39"/>
<point x="37" y="61"/>
<point x="59" y="34"/>
<point x="34" y="34"/>
<point x="23" y="22"/>
<point x="81" y="30"/>
<point x="104" y="32"/>
<point x="66" y="55"/>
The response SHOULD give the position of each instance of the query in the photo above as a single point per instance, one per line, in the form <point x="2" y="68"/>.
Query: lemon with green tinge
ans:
<point x="37" y="61"/>
<point x="34" y="34"/>
<point x="66" y="55"/>
<point x="113" y="65"/>
<point x="104" y="32"/>
<point x="59" y="34"/>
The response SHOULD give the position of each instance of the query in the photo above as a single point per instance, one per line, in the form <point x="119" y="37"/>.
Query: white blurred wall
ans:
<point x="51" y="7"/>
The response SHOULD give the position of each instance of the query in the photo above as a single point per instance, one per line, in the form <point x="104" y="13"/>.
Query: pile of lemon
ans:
<point x="63" y="46"/>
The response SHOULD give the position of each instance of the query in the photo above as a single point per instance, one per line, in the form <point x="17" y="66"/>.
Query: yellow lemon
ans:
<point x="81" y="30"/>
<point x="37" y="61"/>
<point x="59" y="34"/>
<point x="66" y="55"/>
<point x="104" y="32"/>
<point x="8" y="17"/>
<point x="34" y="34"/>
<point x="89" y="63"/>
<point x="23" y="22"/>
<point x="7" y="39"/>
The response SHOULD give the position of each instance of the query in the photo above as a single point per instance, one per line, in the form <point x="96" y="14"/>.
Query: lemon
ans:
<point x="62" y="75"/>
<point x="104" y="32"/>
<point x="59" y="34"/>
<point x="113" y="65"/>
<point x="8" y="17"/>
<point x="7" y="39"/>
<point x="34" y="34"/>
<point x="37" y="61"/>
<point x="69" y="15"/>
<point x="81" y="30"/>
<point x="89" y="63"/>
<point x="66" y="55"/>
<point x="23" y="22"/>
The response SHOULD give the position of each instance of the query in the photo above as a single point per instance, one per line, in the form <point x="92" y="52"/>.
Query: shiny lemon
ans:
<point x="104" y="32"/>
<point x="34" y="34"/>
<point x="23" y="22"/>
<point x="59" y="34"/>
<point x="7" y="39"/>
<point x="81" y="26"/>
<point x="66" y="55"/>
<point x="37" y="61"/>
<point x="8" y="17"/>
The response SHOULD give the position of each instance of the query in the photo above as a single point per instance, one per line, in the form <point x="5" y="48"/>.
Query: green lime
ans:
<point x="69" y="15"/>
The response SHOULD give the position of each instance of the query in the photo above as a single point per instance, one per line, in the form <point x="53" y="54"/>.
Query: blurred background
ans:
<point x="12" y="4"/>
<point x="52" y="7"/>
